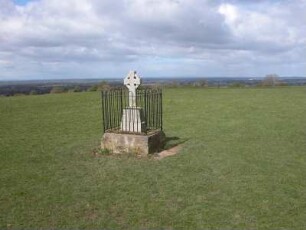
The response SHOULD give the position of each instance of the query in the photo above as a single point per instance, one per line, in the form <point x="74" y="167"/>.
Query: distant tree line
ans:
<point x="270" y="80"/>
<point x="33" y="89"/>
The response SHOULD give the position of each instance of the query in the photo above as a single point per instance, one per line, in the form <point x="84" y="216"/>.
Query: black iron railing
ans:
<point x="120" y="113"/>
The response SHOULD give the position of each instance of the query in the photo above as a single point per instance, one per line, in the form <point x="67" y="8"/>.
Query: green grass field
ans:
<point x="243" y="163"/>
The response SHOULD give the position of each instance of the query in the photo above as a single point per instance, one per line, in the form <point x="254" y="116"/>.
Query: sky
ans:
<point x="68" y="39"/>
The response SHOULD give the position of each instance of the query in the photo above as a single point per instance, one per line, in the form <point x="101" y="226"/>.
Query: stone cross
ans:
<point x="132" y="81"/>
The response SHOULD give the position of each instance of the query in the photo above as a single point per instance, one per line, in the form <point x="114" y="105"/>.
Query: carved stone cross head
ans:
<point x="132" y="81"/>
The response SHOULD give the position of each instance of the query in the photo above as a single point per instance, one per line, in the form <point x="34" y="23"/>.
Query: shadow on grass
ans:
<point x="171" y="142"/>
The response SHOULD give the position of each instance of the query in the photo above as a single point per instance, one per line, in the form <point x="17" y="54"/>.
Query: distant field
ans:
<point x="243" y="163"/>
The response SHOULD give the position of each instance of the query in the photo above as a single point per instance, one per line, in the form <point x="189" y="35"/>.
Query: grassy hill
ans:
<point x="243" y="163"/>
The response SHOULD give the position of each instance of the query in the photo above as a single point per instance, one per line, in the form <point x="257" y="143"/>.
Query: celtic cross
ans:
<point x="132" y="81"/>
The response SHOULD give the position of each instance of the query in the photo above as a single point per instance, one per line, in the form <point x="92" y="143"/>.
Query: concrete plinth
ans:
<point x="129" y="143"/>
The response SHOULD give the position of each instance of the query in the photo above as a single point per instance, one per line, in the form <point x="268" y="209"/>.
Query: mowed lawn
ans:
<point x="243" y="163"/>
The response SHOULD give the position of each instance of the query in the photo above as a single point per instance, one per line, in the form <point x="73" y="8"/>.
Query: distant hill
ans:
<point x="9" y="88"/>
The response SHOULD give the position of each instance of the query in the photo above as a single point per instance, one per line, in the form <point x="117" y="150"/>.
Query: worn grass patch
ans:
<point x="243" y="164"/>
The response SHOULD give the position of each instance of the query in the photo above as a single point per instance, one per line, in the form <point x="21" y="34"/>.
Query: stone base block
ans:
<point x="129" y="143"/>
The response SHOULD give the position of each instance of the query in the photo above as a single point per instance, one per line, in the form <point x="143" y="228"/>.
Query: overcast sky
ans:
<point x="45" y="39"/>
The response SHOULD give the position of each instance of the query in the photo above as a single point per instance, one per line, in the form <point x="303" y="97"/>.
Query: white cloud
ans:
<point x="269" y="24"/>
<point x="87" y="38"/>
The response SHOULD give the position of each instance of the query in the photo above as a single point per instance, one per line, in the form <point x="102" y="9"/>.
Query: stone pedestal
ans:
<point x="132" y="120"/>
<point x="129" y="143"/>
